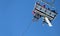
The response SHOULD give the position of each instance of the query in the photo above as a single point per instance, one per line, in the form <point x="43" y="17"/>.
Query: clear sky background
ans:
<point x="16" y="16"/>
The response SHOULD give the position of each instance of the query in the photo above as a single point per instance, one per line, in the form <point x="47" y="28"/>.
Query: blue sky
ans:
<point x="16" y="16"/>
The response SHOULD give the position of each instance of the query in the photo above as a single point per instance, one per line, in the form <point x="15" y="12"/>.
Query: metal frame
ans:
<point x="44" y="12"/>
